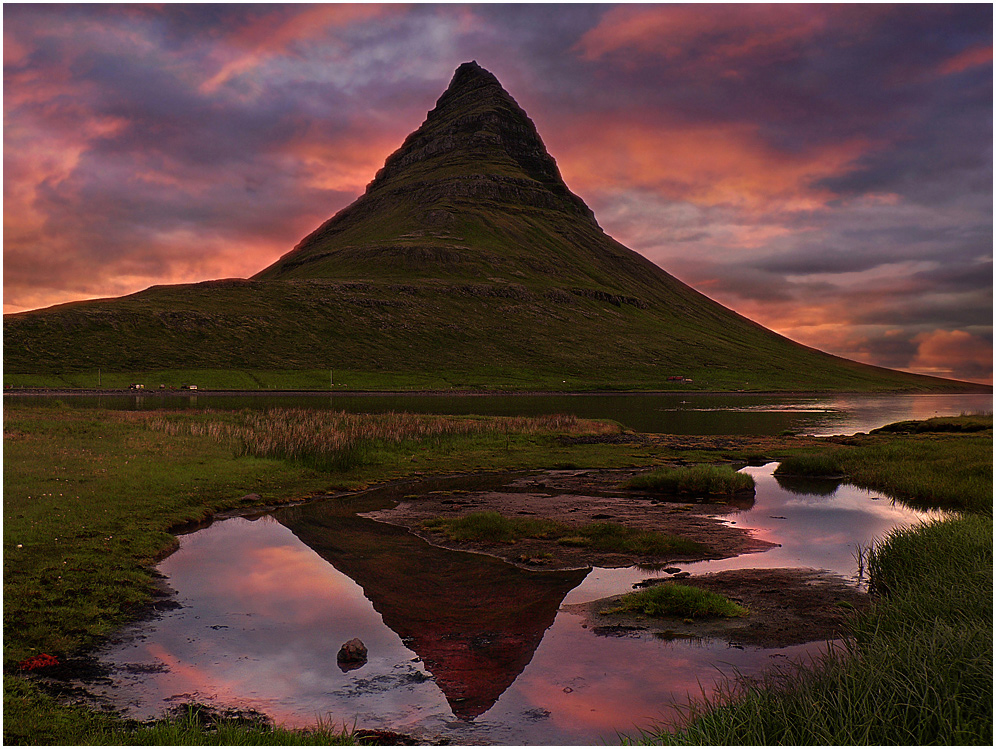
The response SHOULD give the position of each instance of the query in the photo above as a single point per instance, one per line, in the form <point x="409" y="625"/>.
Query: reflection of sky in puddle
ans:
<point x="263" y="617"/>
<point x="819" y="531"/>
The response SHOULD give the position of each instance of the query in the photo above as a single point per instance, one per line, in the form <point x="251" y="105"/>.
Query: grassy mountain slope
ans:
<point x="467" y="261"/>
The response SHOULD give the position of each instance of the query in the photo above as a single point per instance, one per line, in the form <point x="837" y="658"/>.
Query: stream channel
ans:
<point x="463" y="648"/>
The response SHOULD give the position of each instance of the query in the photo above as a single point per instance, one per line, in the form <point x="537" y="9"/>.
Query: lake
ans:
<point x="673" y="413"/>
<point x="464" y="648"/>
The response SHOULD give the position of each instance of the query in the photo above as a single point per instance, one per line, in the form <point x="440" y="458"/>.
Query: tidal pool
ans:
<point x="462" y="647"/>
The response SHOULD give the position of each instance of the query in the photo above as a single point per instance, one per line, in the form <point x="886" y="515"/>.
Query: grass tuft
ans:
<point x="704" y="480"/>
<point x="816" y="465"/>
<point x="676" y="600"/>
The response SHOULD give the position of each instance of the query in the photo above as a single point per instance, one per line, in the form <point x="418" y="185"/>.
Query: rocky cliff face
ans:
<point x="476" y="121"/>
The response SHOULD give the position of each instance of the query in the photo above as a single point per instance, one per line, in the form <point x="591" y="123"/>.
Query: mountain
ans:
<point x="467" y="262"/>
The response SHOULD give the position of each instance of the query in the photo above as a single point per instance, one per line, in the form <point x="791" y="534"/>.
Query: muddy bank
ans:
<point x="578" y="497"/>
<point x="786" y="607"/>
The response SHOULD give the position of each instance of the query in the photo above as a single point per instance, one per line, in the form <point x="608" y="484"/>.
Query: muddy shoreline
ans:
<point x="27" y="391"/>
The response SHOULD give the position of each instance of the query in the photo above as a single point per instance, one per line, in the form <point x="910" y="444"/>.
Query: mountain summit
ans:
<point x="466" y="263"/>
<point x="476" y="126"/>
<point x="476" y="149"/>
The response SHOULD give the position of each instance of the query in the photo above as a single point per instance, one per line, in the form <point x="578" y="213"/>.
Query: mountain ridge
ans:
<point x="467" y="260"/>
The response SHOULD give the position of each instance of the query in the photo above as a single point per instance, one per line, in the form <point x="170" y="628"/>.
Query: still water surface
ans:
<point x="462" y="646"/>
<point x="673" y="413"/>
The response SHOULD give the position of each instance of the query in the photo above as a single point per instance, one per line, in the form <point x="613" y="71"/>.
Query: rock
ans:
<point x="251" y="498"/>
<point x="352" y="654"/>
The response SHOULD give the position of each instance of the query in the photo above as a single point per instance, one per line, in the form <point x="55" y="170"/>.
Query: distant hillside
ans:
<point x="467" y="262"/>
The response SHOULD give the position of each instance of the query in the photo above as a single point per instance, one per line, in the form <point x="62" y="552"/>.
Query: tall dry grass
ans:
<point x="338" y="441"/>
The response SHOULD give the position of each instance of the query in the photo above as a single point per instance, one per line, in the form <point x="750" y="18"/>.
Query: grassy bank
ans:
<point x="944" y="463"/>
<point x="90" y="497"/>
<point x="919" y="668"/>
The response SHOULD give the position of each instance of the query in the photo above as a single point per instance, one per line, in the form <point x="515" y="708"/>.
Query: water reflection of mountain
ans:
<point x="474" y="620"/>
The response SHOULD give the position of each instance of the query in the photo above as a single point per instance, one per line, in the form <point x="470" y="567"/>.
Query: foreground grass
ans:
<point x="919" y="670"/>
<point x="700" y="481"/>
<point x="33" y="717"/>
<point x="492" y="527"/>
<point x="90" y="498"/>
<point x="674" y="599"/>
<point x="920" y="665"/>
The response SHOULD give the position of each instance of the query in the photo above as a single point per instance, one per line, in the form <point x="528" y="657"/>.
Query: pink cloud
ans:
<point x="968" y="59"/>
<point x="944" y="352"/>
<point x="715" y="35"/>
<point x="703" y="163"/>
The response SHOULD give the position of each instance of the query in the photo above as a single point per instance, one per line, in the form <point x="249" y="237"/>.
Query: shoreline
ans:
<point x="69" y="392"/>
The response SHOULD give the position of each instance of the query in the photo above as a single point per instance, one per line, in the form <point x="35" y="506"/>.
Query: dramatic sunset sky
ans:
<point x="824" y="170"/>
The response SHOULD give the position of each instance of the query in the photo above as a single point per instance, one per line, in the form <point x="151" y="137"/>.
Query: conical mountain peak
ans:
<point x="467" y="261"/>
<point x="477" y="129"/>
<point x="475" y="162"/>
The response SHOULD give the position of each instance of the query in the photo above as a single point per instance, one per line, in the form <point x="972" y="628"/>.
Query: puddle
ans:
<point x="462" y="647"/>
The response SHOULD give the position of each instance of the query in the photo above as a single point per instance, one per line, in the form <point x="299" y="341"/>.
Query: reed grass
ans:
<point x="336" y="441"/>
<point x="700" y="480"/>
<point x="676" y="600"/>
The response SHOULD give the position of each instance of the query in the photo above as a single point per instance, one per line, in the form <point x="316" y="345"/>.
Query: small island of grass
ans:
<point x="676" y="600"/>
<point x="702" y="480"/>
<point x="492" y="527"/>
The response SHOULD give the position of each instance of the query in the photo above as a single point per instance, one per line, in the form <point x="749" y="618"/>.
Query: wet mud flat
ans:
<point x="787" y="606"/>
<point x="578" y="497"/>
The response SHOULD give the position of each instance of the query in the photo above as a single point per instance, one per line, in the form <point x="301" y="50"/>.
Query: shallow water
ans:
<point x="462" y="646"/>
<point x="673" y="413"/>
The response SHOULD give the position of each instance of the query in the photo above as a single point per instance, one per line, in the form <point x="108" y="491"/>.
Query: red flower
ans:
<point x="39" y="661"/>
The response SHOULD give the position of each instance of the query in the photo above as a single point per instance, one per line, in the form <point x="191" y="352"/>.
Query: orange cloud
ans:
<point x="713" y="35"/>
<point x="969" y="58"/>
<point x="943" y="352"/>
<point x="345" y="163"/>
<point x="703" y="163"/>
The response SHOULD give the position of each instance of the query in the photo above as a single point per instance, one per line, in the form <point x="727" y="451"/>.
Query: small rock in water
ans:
<point x="352" y="654"/>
